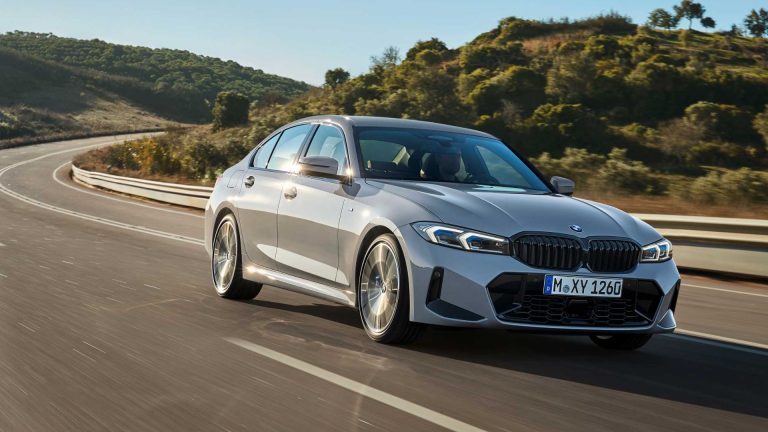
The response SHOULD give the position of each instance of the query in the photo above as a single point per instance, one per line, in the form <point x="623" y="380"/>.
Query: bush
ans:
<point x="721" y="121"/>
<point x="230" y="109"/>
<point x="761" y="125"/>
<point x="491" y="56"/>
<point x="518" y="85"/>
<point x="576" y="163"/>
<point x="620" y="174"/>
<point x="742" y="186"/>
<point x="555" y="127"/>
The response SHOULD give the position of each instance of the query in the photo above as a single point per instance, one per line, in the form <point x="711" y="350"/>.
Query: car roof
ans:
<point x="370" y="121"/>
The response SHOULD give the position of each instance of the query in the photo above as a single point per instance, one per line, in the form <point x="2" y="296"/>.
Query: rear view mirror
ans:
<point x="321" y="166"/>
<point x="562" y="185"/>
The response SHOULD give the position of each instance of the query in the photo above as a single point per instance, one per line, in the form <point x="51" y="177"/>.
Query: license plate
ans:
<point x="582" y="286"/>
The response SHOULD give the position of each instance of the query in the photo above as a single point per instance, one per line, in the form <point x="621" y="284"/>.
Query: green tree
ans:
<point x="431" y="44"/>
<point x="230" y="109"/>
<point x="661" y="18"/>
<point x="336" y="77"/>
<point x="388" y="58"/>
<point x="689" y="10"/>
<point x="708" y="22"/>
<point x="756" y="22"/>
<point x="491" y="57"/>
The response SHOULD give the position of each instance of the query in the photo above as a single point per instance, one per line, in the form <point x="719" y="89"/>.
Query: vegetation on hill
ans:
<point x="620" y="107"/>
<point x="42" y="77"/>
<point x="164" y="71"/>
<point x="40" y="98"/>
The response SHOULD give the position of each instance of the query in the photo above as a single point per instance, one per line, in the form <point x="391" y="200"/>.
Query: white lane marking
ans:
<point x="725" y="290"/>
<point x="124" y="201"/>
<point x="721" y="341"/>
<point x="151" y="286"/>
<point x="27" y="327"/>
<point x="359" y="388"/>
<point x="86" y="356"/>
<point x="85" y="216"/>
<point x="96" y="348"/>
<point x="2" y="275"/>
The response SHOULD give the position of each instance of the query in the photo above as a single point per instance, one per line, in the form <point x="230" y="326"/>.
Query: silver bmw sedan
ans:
<point x="415" y="223"/>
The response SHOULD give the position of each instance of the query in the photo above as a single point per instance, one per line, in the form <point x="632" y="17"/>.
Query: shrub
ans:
<point x="742" y="186"/>
<point x="519" y="85"/>
<point x="230" y="109"/>
<point x="620" y="174"/>
<point x="433" y="44"/>
<point x="576" y="163"/>
<point x="721" y="121"/>
<point x="761" y="125"/>
<point x="491" y="56"/>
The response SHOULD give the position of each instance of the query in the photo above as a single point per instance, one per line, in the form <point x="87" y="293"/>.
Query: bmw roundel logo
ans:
<point x="576" y="228"/>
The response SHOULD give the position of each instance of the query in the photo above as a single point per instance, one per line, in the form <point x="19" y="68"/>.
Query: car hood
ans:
<point x="508" y="211"/>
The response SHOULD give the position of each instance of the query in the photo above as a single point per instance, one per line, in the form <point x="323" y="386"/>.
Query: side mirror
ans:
<point x="321" y="166"/>
<point x="563" y="185"/>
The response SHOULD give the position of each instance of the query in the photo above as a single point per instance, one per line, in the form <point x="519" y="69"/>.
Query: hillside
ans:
<point x="39" y="98"/>
<point x="50" y="84"/>
<point x="627" y="111"/>
<point x="162" y="69"/>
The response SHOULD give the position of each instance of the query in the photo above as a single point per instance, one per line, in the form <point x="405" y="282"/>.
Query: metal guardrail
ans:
<point x="724" y="245"/>
<point x="185" y="195"/>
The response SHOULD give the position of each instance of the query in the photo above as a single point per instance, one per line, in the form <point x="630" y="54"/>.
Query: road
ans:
<point x="108" y="322"/>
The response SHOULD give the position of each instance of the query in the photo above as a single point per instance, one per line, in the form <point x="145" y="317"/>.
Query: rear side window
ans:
<point x="262" y="154"/>
<point x="328" y="141"/>
<point x="288" y="147"/>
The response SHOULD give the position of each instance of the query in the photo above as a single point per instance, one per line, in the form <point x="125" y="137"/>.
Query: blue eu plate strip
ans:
<point x="548" y="284"/>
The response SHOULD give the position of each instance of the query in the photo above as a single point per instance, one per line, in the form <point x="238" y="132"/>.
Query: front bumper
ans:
<point x="452" y="287"/>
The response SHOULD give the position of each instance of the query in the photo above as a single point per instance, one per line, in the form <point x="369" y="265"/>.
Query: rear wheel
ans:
<point x="382" y="294"/>
<point x="621" y="341"/>
<point x="226" y="263"/>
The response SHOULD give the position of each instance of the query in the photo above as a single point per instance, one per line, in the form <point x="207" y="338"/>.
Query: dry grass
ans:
<point x="547" y="43"/>
<point x="670" y="205"/>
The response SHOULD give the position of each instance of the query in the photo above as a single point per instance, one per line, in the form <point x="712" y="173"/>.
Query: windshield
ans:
<point x="436" y="156"/>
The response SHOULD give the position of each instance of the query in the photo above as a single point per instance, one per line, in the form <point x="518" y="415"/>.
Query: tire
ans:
<point x="227" y="264"/>
<point x="626" y="342"/>
<point x="386" y="322"/>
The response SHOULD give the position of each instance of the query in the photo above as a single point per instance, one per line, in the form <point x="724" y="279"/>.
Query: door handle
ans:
<point x="249" y="181"/>
<point x="291" y="193"/>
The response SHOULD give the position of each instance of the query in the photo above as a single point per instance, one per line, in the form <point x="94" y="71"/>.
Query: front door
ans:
<point x="309" y="212"/>
<point x="262" y="190"/>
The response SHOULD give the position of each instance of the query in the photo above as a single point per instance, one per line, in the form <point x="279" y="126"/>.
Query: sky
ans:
<point x="302" y="39"/>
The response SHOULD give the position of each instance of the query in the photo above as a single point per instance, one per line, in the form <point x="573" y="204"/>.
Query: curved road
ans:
<point x="108" y="322"/>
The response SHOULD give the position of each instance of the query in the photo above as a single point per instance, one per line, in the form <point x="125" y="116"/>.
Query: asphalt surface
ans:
<point x="107" y="324"/>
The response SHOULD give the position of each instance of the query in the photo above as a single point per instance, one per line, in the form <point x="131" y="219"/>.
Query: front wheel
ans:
<point x="226" y="263"/>
<point x="621" y="341"/>
<point x="382" y="294"/>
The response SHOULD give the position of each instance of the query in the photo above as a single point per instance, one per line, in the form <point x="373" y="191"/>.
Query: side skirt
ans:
<point x="302" y="286"/>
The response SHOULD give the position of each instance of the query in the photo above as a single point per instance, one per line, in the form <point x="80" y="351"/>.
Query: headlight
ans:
<point x="461" y="238"/>
<point x="657" y="252"/>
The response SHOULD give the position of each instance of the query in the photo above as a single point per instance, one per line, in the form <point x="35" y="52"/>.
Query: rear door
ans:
<point x="309" y="212"/>
<point x="261" y="191"/>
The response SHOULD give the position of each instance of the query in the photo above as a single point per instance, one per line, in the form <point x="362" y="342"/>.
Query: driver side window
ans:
<point x="329" y="141"/>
